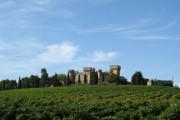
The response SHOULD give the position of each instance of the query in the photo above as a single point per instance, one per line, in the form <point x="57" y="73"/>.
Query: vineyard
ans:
<point x="91" y="102"/>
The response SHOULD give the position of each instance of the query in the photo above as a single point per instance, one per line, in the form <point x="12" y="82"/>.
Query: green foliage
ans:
<point x="8" y="84"/>
<point x="61" y="78"/>
<point x="163" y="82"/>
<point x="19" y="83"/>
<point x="95" y="77"/>
<point x="114" y="78"/>
<point x="29" y="82"/>
<point x="87" y="102"/>
<point x="57" y="80"/>
<point x="138" y="79"/>
<point x="119" y="80"/>
<point x="122" y="80"/>
<point x="68" y="81"/>
<point x="44" y="78"/>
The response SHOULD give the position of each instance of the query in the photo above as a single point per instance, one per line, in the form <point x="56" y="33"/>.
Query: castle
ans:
<point x="91" y="76"/>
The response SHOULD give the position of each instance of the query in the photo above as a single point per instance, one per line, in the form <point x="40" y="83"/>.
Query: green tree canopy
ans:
<point x="137" y="78"/>
<point x="44" y="78"/>
<point x="114" y="78"/>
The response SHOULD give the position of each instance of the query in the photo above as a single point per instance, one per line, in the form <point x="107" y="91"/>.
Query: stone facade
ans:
<point x="78" y="78"/>
<point x="87" y="74"/>
<point x="100" y="76"/>
<point x="115" y="69"/>
<point x="90" y="76"/>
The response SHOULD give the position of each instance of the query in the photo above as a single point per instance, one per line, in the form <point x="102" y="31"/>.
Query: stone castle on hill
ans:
<point x="91" y="76"/>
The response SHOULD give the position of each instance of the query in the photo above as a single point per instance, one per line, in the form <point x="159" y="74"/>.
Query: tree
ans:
<point x="34" y="81"/>
<point x="37" y="81"/>
<point x="44" y="78"/>
<point x="163" y="82"/>
<point x="62" y="78"/>
<point x="79" y="79"/>
<point x="68" y="81"/>
<point x="114" y="78"/>
<point x="94" y="76"/>
<point x="137" y="78"/>
<point x="25" y="82"/>
<point x="85" y="78"/>
<point x="13" y="84"/>
<point x="8" y="84"/>
<point x="55" y="80"/>
<point x="19" y="83"/>
<point x="122" y="80"/>
<point x="3" y="85"/>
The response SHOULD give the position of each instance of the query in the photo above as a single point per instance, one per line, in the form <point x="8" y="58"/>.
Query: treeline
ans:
<point x="119" y="80"/>
<point x="34" y="81"/>
<point x="56" y="80"/>
<point x="162" y="82"/>
<point x="8" y="84"/>
<point x="138" y="79"/>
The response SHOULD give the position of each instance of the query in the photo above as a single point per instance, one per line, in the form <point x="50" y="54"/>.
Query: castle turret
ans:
<point x="115" y="69"/>
<point x="87" y="74"/>
<point x="100" y="76"/>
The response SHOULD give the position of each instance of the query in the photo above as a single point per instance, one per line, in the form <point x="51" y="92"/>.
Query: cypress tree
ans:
<point x="19" y="83"/>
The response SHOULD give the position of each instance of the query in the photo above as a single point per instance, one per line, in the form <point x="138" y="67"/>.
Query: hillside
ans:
<point x="83" y="102"/>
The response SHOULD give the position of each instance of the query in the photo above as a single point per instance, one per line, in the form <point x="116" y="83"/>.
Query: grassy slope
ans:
<point x="92" y="102"/>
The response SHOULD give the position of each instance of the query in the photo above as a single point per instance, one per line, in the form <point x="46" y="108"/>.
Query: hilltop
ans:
<point x="91" y="102"/>
<point x="88" y="76"/>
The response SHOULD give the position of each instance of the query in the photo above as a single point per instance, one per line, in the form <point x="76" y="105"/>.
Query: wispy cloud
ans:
<point x="151" y="28"/>
<point x="26" y="14"/>
<point x="41" y="2"/>
<point x="93" y="2"/>
<point x="154" y="37"/>
<point x="114" y="27"/>
<point x="145" y="29"/>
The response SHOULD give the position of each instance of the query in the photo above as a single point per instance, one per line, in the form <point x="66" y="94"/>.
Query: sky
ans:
<point x="139" y="35"/>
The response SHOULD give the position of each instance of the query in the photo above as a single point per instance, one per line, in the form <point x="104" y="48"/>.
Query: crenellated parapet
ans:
<point x="91" y="76"/>
<point x="115" y="69"/>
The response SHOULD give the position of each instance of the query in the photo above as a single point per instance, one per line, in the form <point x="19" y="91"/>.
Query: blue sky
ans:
<point x="64" y="34"/>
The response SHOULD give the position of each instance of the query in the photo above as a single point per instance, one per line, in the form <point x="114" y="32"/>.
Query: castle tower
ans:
<point x="77" y="78"/>
<point x="115" y="69"/>
<point x="87" y="74"/>
<point x="100" y="76"/>
<point x="72" y="75"/>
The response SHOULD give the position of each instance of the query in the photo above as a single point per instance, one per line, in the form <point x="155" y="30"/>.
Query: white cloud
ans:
<point x="97" y="57"/>
<point x="59" y="53"/>
<point x="27" y="56"/>
<point x="101" y="56"/>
